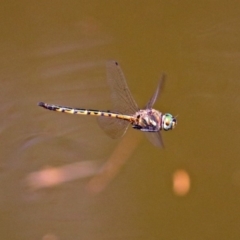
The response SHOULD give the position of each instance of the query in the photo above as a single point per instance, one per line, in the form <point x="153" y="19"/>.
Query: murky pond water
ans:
<point x="62" y="177"/>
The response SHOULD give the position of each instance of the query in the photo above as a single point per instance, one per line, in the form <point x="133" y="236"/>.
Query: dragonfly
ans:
<point x="125" y="111"/>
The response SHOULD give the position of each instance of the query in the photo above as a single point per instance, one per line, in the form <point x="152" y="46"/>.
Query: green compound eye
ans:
<point x="168" y="122"/>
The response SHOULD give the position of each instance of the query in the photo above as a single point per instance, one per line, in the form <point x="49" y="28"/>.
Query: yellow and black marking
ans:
<point x="85" y="111"/>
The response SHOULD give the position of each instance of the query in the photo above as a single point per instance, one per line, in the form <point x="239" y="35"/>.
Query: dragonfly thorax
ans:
<point x="148" y="120"/>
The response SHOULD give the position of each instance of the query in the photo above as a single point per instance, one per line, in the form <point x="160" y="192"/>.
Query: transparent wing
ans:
<point x="157" y="92"/>
<point x="155" y="138"/>
<point x="113" y="127"/>
<point x="122" y="101"/>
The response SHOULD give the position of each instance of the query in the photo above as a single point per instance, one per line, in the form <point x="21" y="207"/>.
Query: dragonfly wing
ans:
<point x="113" y="127"/>
<point x="155" y="138"/>
<point x="157" y="92"/>
<point x="122" y="99"/>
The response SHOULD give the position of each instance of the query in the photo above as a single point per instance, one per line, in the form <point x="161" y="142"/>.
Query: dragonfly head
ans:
<point x="168" y="121"/>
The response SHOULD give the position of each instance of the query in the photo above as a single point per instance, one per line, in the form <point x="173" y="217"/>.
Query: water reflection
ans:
<point x="101" y="175"/>
<point x="50" y="236"/>
<point x="181" y="182"/>
<point x="115" y="162"/>
<point x="53" y="176"/>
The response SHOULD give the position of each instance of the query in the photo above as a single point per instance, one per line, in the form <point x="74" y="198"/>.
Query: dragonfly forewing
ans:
<point x="157" y="92"/>
<point x="122" y="101"/>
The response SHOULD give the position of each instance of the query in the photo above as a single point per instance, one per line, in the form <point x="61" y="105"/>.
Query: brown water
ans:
<point x="50" y="184"/>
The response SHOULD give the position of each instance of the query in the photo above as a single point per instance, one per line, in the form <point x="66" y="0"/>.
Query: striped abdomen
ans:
<point x="85" y="111"/>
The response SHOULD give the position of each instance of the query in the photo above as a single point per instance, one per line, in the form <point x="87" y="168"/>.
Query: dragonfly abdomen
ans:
<point x="81" y="111"/>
